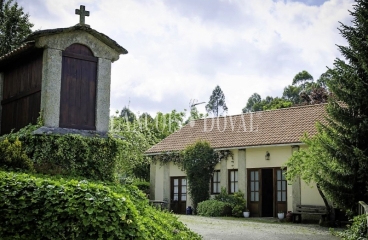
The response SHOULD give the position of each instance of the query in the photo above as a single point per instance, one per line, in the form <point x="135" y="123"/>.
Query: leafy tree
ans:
<point x="253" y="104"/>
<point x="128" y="114"/>
<point x="277" y="103"/>
<point x="303" y="79"/>
<point x="14" y="26"/>
<point x="342" y="144"/>
<point x="199" y="161"/>
<point x="292" y="93"/>
<point x="194" y="115"/>
<point x="217" y="101"/>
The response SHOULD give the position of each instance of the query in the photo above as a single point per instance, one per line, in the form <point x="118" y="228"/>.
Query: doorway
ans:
<point x="267" y="193"/>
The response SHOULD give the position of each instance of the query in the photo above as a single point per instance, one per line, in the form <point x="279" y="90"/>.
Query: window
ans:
<point x="254" y="186"/>
<point x="215" y="182"/>
<point x="233" y="181"/>
<point x="281" y="186"/>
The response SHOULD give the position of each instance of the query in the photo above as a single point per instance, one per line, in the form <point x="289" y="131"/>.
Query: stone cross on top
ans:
<point x="82" y="14"/>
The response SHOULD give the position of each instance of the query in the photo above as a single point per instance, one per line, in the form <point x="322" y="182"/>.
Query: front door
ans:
<point x="178" y="195"/>
<point x="266" y="192"/>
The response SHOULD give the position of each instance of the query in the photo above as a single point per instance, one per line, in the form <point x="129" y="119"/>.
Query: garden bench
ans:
<point x="309" y="210"/>
<point x="159" y="204"/>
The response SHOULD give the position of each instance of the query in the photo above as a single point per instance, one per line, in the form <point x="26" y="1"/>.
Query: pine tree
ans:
<point x="217" y="101"/>
<point x="14" y="26"/>
<point x="337" y="158"/>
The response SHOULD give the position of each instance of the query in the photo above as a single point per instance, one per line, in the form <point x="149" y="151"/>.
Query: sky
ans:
<point x="180" y="50"/>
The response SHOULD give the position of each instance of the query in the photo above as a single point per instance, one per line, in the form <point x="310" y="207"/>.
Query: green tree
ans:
<point x="292" y="93"/>
<point x="277" y="103"/>
<point x="217" y="102"/>
<point x="342" y="143"/>
<point x="195" y="114"/>
<point x="199" y="161"/>
<point x="128" y="114"/>
<point x="14" y="26"/>
<point x="303" y="79"/>
<point x="253" y="104"/>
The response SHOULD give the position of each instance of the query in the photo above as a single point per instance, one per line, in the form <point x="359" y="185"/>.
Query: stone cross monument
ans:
<point x="82" y="14"/>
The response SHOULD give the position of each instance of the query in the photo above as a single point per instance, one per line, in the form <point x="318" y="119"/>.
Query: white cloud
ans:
<point x="176" y="55"/>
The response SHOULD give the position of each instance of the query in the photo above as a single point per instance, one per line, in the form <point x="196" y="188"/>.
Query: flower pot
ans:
<point x="246" y="214"/>
<point x="280" y="215"/>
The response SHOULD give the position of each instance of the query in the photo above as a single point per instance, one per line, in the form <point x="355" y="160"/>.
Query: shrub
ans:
<point x="38" y="207"/>
<point x="358" y="229"/>
<point x="12" y="156"/>
<point x="71" y="154"/>
<point x="236" y="201"/>
<point x="213" y="208"/>
<point x="143" y="186"/>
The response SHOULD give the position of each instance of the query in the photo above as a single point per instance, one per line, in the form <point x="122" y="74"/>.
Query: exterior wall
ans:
<point x="310" y="195"/>
<point x="103" y="95"/>
<point x="297" y="192"/>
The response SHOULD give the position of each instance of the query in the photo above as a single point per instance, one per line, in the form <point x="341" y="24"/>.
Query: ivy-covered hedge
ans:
<point x="91" y="157"/>
<point x="357" y="230"/>
<point x="214" y="208"/>
<point x="37" y="207"/>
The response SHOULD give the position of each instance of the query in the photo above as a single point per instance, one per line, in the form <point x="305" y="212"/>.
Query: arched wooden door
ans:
<point x="78" y="88"/>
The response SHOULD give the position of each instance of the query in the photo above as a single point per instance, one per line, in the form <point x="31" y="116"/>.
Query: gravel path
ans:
<point x="253" y="228"/>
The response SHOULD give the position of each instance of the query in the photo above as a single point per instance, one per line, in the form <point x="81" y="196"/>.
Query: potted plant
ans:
<point x="281" y="215"/>
<point x="246" y="213"/>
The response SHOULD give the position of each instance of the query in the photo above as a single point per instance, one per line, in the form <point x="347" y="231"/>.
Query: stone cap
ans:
<point x="100" y="36"/>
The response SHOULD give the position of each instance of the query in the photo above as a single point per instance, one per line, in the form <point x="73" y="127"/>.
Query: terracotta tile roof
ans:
<point x="281" y="126"/>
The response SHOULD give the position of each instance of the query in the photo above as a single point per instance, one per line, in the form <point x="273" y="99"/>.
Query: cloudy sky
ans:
<point x="181" y="49"/>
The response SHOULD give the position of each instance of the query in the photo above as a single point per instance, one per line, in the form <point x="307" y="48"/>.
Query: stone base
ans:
<point x="63" y="131"/>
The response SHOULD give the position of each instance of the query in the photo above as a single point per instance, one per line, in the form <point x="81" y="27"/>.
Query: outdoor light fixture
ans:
<point x="267" y="156"/>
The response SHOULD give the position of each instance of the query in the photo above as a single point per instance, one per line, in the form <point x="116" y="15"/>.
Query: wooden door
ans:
<point x="267" y="192"/>
<point x="178" y="194"/>
<point x="78" y="88"/>
<point x="281" y="191"/>
<point x="254" y="192"/>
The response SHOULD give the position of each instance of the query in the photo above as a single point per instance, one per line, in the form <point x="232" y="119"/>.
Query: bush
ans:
<point x="236" y="201"/>
<point x="358" y="229"/>
<point x="37" y="207"/>
<point x="71" y="154"/>
<point x="12" y="156"/>
<point x="213" y="208"/>
<point x="143" y="186"/>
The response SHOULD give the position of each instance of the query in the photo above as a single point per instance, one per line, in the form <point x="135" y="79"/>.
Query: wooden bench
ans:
<point x="159" y="204"/>
<point x="309" y="210"/>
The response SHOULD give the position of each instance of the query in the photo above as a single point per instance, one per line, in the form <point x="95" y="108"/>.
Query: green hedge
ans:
<point x="213" y="208"/>
<point x="91" y="157"/>
<point x="357" y="230"/>
<point x="38" y="207"/>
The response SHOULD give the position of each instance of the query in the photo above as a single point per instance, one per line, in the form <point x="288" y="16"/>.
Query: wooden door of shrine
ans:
<point x="267" y="192"/>
<point x="178" y="194"/>
<point x="78" y="88"/>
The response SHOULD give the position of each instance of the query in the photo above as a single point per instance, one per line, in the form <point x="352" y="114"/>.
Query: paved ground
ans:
<point x="253" y="228"/>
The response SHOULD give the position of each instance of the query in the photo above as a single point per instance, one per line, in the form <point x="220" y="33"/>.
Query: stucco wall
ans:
<point x="310" y="195"/>
<point x="278" y="156"/>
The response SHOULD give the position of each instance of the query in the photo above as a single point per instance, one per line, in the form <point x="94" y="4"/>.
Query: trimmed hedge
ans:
<point x="74" y="155"/>
<point x="40" y="207"/>
<point x="213" y="208"/>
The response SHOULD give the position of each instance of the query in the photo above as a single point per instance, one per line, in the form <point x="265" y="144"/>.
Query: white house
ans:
<point x="261" y="143"/>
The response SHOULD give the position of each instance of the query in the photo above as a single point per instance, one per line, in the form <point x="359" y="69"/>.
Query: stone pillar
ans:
<point x="103" y="95"/>
<point x="1" y="96"/>
<point x="152" y="181"/>
<point x="242" y="172"/>
<point x="166" y="183"/>
<point x="51" y="87"/>
<point x="224" y="173"/>
<point x="296" y="187"/>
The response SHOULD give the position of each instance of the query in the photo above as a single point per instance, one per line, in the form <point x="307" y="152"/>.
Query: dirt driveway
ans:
<point x="232" y="229"/>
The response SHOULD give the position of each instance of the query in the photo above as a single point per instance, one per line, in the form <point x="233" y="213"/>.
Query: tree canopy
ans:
<point x="216" y="104"/>
<point x="337" y="156"/>
<point x="14" y="26"/>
